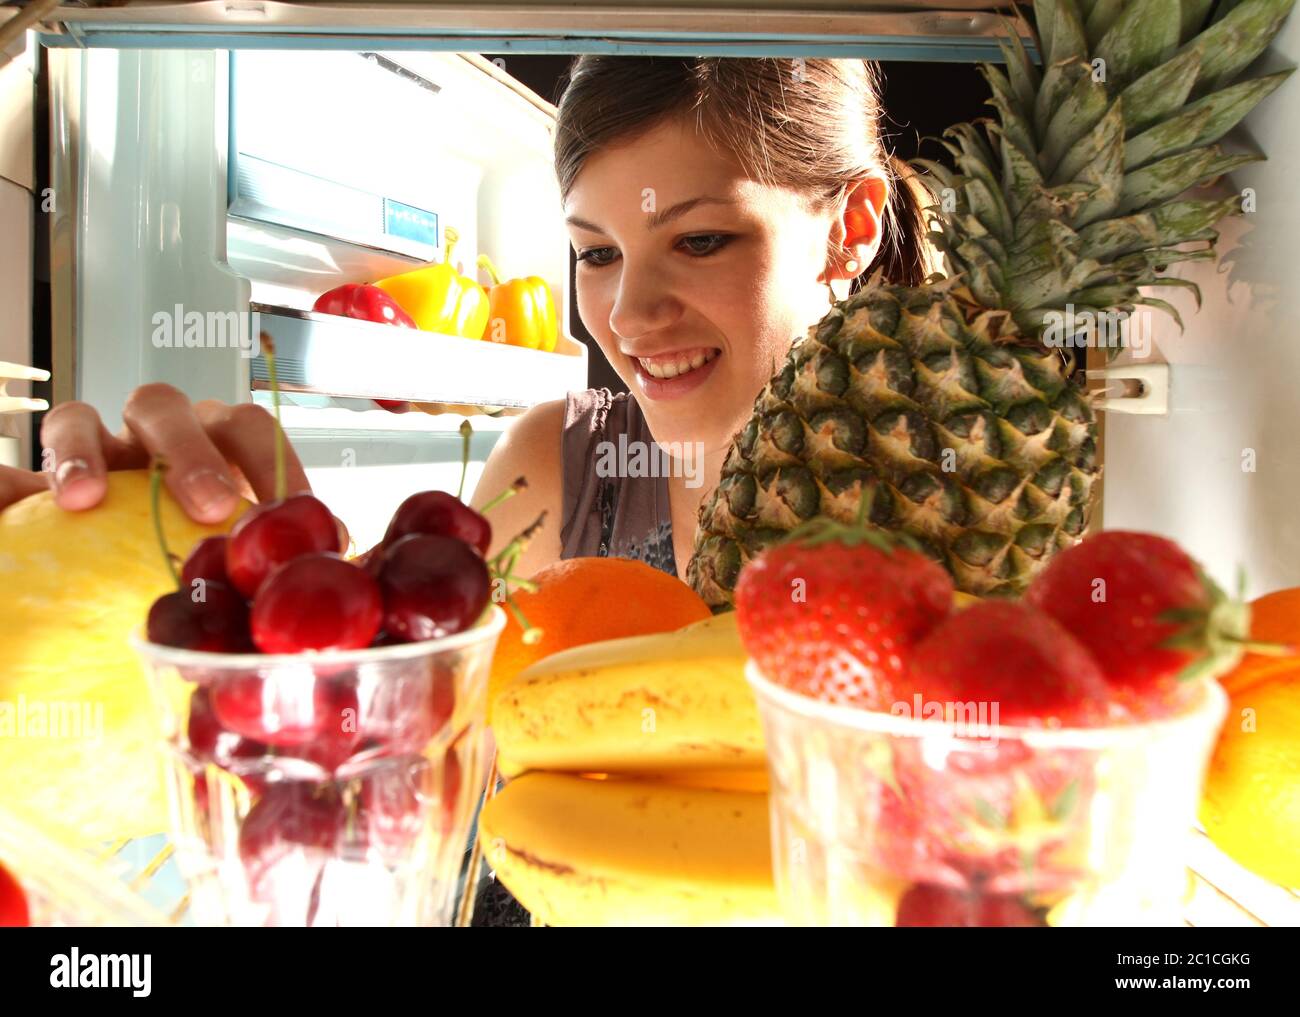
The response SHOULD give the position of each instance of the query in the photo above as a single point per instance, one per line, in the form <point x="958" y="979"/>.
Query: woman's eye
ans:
<point x="597" y="256"/>
<point x="706" y="243"/>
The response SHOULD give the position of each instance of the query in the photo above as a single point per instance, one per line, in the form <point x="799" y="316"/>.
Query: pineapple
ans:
<point x="954" y="407"/>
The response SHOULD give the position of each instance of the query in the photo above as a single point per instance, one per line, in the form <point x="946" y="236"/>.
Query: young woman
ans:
<point x="715" y="206"/>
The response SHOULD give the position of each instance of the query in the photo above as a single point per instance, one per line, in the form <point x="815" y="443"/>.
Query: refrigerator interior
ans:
<point x="149" y="155"/>
<point x="240" y="185"/>
<point x="1212" y="471"/>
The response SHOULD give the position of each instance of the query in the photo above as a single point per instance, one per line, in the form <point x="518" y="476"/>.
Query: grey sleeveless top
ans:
<point x="607" y="511"/>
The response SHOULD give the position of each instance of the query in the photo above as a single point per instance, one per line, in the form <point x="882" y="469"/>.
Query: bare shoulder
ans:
<point x="530" y="448"/>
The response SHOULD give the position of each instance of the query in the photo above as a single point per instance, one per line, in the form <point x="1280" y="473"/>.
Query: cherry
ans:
<point x="209" y="741"/>
<point x="207" y="562"/>
<point x="406" y="711"/>
<point x="284" y="844"/>
<point x="338" y="734"/>
<point x="389" y="816"/>
<point x="441" y="514"/>
<point x="13" y="902"/>
<point x="451" y="780"/>
<point x="433" y="586"/>
<point x="217" y="624"/>
<point x="316" y="601"/>
<point x="285" y="709"/>
<point x="370" y="560"/>
<point x="927" y="905"/>
<point x="276" y="532"/>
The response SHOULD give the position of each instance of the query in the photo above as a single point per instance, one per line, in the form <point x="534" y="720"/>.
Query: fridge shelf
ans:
<point x="330" y="355"/>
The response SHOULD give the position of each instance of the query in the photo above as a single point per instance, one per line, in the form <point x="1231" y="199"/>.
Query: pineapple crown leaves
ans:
<point x="1095" y="144"/>
<point x="1221" y="628"/>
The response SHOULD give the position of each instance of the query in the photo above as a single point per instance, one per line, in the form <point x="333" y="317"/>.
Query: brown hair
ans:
<point x="809" y="125"/>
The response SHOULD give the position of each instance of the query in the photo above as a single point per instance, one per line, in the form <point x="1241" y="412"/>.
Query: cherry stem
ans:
<point x="517" y="545"/>
<point x="466" y="432"/>
<point x="502" y="567"/>
<point x="519" y="485"/>
<point x="268" y="349"/>
<point x="155" y="509"/>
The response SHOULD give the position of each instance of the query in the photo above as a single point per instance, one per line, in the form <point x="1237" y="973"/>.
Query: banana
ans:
<point x="713" y="780"/>
<point x="646" y="704"/>
<point x="625" y="851"/>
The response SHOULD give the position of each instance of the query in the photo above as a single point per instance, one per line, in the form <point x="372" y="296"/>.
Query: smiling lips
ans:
<point x="673" y="374"/>
<point x="676" y="362"/>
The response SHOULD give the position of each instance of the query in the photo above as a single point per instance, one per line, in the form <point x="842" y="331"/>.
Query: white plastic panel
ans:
<point x="1221" y="472"/>
<point x="151" y="230"/>
<point x="321" y="141"/>
<point x="16" y="324"/>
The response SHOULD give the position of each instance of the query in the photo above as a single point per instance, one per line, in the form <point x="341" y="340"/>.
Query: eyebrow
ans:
<point x="658" y="218"/>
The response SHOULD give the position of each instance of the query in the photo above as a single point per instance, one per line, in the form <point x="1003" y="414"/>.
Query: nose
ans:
<point x="642" y="303"/>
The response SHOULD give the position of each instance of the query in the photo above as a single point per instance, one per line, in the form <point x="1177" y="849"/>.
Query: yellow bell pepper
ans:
<point x="521" y="312"/>
<point x="439" y="298"/>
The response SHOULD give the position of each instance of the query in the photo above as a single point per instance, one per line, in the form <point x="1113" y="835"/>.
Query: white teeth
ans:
<point x="683" y="365"/>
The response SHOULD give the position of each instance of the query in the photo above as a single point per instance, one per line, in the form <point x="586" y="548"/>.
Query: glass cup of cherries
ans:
<point x="324" y="718"/>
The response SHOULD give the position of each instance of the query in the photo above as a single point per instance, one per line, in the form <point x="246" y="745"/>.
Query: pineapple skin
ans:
<point x="962" y="432"/>
<point x="950" y="406"/>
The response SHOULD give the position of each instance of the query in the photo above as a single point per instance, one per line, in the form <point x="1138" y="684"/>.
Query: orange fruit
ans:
<point x="1274" y="618"/>
<point x="1251" y="803"/>
<point x="588" y="600"/>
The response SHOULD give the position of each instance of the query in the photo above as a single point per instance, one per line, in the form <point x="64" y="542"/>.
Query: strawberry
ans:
<point x="1001" y="815"/>
<point x="1017" y="661"/>
<point x="929" y="906"/>
<point x="14" y="912"/>
<point x="833" y="611"/>
<point x="899" y="844"/>
<point x="1152" y="619"/>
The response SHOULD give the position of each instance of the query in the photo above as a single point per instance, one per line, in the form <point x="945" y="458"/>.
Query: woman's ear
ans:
<point x="856" y="234"/>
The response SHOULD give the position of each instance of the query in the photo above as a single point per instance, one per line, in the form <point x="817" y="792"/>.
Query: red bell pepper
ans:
<point x="368" y="303"/>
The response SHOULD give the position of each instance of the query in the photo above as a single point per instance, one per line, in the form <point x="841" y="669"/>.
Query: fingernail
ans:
<point x="209" y="492"/>
<point x="69" y="471"/>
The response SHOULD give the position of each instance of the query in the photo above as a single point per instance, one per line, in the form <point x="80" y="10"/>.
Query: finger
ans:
<point x="15" y="485"/>
<point x="246" y="435"/>
<point x="165" y="425"/>
<point x="72" y="435"/>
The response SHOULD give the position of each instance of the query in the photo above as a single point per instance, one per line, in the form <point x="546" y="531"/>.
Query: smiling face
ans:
<point x="693" y="278"/>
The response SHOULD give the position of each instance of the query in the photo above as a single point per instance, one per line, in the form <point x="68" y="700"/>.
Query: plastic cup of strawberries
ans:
<point x="993" y="765"/>
<point x="323" y="718"/>
<point x="885" y="820"/>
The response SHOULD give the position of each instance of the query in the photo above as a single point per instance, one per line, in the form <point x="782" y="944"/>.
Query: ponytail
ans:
<point x="905" y="254"/>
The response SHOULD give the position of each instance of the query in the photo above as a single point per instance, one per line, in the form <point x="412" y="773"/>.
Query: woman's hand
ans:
<point x="214" y="453"/>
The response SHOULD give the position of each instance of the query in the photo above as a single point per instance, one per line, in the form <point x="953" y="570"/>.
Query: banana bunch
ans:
<point x="640" y="785"/>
